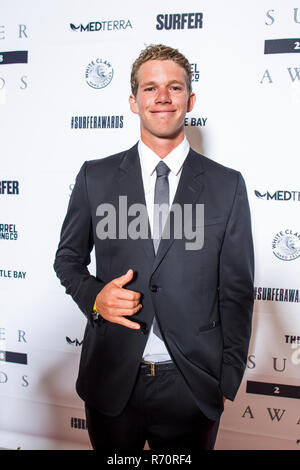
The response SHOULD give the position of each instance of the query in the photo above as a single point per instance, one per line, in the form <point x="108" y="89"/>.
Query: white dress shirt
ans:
<point x="155" y="350"/>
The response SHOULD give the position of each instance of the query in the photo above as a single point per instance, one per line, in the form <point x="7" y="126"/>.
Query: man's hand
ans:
<point x="115" y="303"/>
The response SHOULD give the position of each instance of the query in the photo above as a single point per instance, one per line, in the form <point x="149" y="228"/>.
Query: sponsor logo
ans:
<point x="20" y="335"/>
<point x="195" y="121"/>
<point x="276" y="294"/>
<point x="179" y="21"/>
<point x="277" y="390"/>
<point x="78" y="423"/>
<point x="99" y="73"/>
<point x="12" y="357"/>
<point x="15" y="357"/>
<point x="13" y="57"/>
<point x="22" y="85"/>
<point x="272" y="17"/>
<point x="274" y="414"/>
<point x="21" y="31"/>
<point x="293" y="73"/>
<point x="290" y="339"/>
<point x="278" y="364"/>
<point x="286" y="245"/>
<point x="195" y="72"/>
<point x="9" y="187"/>
<point x="282" y="45"/>
<point x="4" y="378"/>
<point x="280" y="195"/>
<point x="8" y="232"/>
<point x="74" y="342"/>
<point x="12" y="274"/>
<point x="97" y="122"/>
<point x="111" y="25"/>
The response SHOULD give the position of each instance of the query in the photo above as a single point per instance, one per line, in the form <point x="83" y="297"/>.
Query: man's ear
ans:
<point x="133" y="104"/>
<point x="191" y="102"/>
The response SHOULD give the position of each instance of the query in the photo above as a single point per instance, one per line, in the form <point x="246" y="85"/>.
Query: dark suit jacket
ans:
<point x="203" y="299"/>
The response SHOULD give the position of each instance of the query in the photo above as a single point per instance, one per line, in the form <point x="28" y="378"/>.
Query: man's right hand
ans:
<point x="114" y="303"/>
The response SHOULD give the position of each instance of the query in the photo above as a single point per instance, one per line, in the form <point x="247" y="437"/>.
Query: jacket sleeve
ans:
<point x="236" y="291"/>
<point x="73" y="253"/>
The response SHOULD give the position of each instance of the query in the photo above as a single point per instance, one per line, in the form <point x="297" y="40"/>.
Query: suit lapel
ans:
<point x="130" y="183"/>
<point x="188" y="191"/>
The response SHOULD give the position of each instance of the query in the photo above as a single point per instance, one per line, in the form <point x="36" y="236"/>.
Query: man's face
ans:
<point x="162" y="99"/>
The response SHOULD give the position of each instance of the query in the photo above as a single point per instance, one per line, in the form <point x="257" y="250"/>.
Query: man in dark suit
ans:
<point x="169" y="323"/>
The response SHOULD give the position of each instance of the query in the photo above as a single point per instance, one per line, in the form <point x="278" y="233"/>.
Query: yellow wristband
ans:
<point x="95" y="308"/>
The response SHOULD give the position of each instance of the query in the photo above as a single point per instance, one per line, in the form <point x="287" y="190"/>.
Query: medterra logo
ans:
<point x="286" y="245"/>
<point x="110" y="25"/>
<point x="99" y="73"/>
<point x="280" y="195"/>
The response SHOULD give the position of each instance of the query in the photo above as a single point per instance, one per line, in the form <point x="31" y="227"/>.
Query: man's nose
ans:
<point x="163" y="95"/>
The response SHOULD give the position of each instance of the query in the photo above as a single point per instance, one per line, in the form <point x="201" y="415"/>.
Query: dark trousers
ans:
<point x="160" y="410"/>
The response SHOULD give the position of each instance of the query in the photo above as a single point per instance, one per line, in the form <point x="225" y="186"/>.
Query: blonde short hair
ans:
<point x="160" y="52"/>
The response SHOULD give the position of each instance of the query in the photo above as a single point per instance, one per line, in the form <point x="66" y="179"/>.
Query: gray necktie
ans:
<point x="161" y="196"/>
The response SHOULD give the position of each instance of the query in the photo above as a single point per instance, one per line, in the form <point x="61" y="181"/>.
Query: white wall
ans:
<point x="248" y="114"/>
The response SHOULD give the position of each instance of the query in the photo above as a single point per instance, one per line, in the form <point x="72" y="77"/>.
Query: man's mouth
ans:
<point x="163" y="111"/>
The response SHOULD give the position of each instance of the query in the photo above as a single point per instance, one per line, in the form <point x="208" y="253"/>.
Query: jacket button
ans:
<point x="154" y="288"/>
<point x="144" y="328"/>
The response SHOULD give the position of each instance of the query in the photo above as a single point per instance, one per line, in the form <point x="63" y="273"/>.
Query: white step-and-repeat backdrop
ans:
<point x="54" y="115"/>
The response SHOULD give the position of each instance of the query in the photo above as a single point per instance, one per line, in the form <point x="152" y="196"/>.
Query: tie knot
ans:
<point x="162" y="169"/>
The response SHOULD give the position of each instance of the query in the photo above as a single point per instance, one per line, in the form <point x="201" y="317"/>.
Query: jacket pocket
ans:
<point x="209" y="326"/>
<point x="207" y="222"/>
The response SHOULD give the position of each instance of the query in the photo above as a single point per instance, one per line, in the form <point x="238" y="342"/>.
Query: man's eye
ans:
<point x="176" y="88"/>
<point x="149" y="88"/>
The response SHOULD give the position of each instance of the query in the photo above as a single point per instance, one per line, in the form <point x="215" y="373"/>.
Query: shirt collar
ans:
<point x="174" y="159"/>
